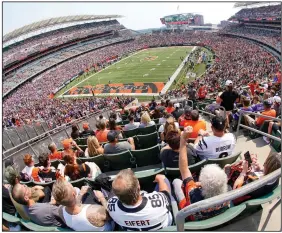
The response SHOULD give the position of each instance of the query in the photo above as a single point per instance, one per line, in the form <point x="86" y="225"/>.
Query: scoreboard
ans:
<point x="180" y="19"/>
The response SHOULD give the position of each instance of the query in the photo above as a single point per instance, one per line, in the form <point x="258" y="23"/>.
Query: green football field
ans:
<point x="150" y="65"/>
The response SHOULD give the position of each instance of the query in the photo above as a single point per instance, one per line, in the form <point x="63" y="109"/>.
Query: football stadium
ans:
<point x="176" y="128"/>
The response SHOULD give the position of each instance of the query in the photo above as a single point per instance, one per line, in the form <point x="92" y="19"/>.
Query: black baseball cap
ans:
<point x="267" y="102"/>
<point x="218" y="122"/>
<point x="112" y="135"/>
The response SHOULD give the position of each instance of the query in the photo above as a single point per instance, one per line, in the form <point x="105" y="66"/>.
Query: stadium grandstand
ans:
<point x="195" y="147"/>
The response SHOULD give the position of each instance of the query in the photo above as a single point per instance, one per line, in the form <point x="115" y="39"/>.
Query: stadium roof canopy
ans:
<point x="54" y="21"/>
<point x="245" y="4"/>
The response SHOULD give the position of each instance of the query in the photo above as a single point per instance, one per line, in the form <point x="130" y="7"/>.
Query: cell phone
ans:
<point x="248" y="158"/>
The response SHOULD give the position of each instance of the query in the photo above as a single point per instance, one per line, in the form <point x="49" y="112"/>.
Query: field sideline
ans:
<point x="146" y="66"/>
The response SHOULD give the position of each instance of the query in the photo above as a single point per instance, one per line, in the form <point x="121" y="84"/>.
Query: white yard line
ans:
<point x="98" y="73"/>
<point x="173" y="77"/>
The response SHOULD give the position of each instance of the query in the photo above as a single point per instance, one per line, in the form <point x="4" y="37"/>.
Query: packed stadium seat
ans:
<point x="56" y="162"/>
<point x="149" y="156"/>
<point x="99" y="160"/>
<point x="148" y="140"/>
<point x="81" y="141"/>
<point x="275" y="144"/>
<point x="147" y="130"/>
<point x="223" y="161"/>
<point x="78" y="183"/>
<point x="130" y="133"/>
<point x="173" y="173"/>
<point x="156" y="120"/>
<point x="11" y="218"/>
<point x="123" y="160"/>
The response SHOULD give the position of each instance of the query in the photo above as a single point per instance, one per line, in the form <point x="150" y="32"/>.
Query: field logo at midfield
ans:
<point x="151" y="58"/>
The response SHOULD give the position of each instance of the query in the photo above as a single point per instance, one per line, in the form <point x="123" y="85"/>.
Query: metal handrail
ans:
<point x="52" y="131"/>
<point x="243" y="112"/>
<point x="218" y="200"/>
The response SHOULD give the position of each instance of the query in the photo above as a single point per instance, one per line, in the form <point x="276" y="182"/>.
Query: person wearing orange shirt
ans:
<point x="259" y="120"/>
<point x="196" y="124"/>
<point x="170" y="107"/>
<point x="253" y="86"/>
<point x="186" y="117"/>
<point x="55" y="154"/>
<point x="101" y="135"/>
<point x="202" y="92"/>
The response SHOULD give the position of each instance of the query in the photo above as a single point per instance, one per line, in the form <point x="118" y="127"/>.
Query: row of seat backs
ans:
<point x="230" y="214"/>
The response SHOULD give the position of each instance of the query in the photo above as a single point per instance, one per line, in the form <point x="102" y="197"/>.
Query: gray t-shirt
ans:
<point x="45" y="214"/>
<point x="117" y="148"/>
<point x="131" y="126"/>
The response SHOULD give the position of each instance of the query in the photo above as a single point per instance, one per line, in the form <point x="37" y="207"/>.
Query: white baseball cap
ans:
<point x="228" y="83"/>
<point x="277" y="99"/>
<point x="177" y="105"/>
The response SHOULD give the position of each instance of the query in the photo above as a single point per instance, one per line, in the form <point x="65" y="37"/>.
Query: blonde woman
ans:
<point x="146" y="120"/>
<point x="93" y="147"/>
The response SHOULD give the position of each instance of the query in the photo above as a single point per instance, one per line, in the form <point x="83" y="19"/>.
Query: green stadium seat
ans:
<point x="99" y="160"/>
<point x="78" y="183"/>
<point x="147" y="130"/>
<point x="35" y="227"/>
<point x="173" y="173"/>
<point x="81" y="141"/>
<point x="28" y="183"/>
<point x="223" y="161"/>
<point x="124" y="117"/>
<point x="119" y="161"/>
<point x="44" y="184"/>
<point x="125" y="122"/>
<point x="11" y="218"/>
<point x="149" y="156"/>
<point x="55" y="163"/>
<point x="266" y="198"/>
<point x="83" y="147"/>
<point x="218" y="220"/>
<point x="156" y="120"/>
<point x="158" y="126"/>
<point x="147" y="141"/>
<point x="131" y="133"/>
<point x="275" y="144"/>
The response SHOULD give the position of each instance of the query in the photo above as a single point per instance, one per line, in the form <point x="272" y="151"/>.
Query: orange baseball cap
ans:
<point x="66" y="143"/>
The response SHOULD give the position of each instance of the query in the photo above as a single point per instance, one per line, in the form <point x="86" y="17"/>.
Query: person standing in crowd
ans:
<point x="202" y="92"/>
<point x="228" y="98"/>
<point x="134" y="211"/>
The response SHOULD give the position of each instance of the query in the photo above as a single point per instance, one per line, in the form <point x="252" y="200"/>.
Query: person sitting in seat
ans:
<point x="86" y="217"/>
<point x="170" y="153"/>
<point x="257" y="106"/>
<point x="170" y="107"/>
<point x="75" y="132"/>
<point x="114" y="146"/>
<point x="86" y="131"/>
<point x="68" y="144"/>
<point x="113" y="126"/>
<point x="212" y="182"/>
<point x="131" y="125"/>
<point x="214" y="107"/>
<point x="195" y="123"/>
<point x="146" y="120"/>
<point x="185" y="117"/>
<point x="44" y="213"/>
<point x="136" y="211"/>
<point x="47" y="173"/>
<point x="55" y="154"/>
<point x="30" y="172"/>
<point x="103" y="132"/>
<point x="93" y="147"/>
<point x="218" y="145"/>
<point x="177" y="112"/>
<point x="255" y="171"/>
<point x="169" y="125"/>
<point x="257" y="123"/>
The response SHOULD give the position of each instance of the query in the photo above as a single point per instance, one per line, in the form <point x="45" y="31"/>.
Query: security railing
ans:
<point x="220" y="199"/>
<point x="242" y="113"/>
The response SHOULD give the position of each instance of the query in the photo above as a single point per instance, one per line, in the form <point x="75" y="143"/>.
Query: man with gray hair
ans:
<point x="212" y="182"/>
<point x="134" y="211"/>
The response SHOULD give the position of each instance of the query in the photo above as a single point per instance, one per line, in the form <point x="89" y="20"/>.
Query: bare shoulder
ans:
<point x="96" y="215"/>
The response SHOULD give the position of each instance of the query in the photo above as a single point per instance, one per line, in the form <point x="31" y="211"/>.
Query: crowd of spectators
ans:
<point x="260" y="12"/>
<point x="107" y="204"/>
<point x="237" y="60"/>
<point x="267" y="36"/>
<point x="55" y="38"/>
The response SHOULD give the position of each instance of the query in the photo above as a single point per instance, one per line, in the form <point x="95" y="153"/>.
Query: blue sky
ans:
<point x="137" y="15"/>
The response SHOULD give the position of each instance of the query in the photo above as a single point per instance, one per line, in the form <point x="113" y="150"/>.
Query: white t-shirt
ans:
<point x="28" y="171"/>
<point x="150" y="214"/>
<point x="161" y="129"/>
<point x="213" y="147"/>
